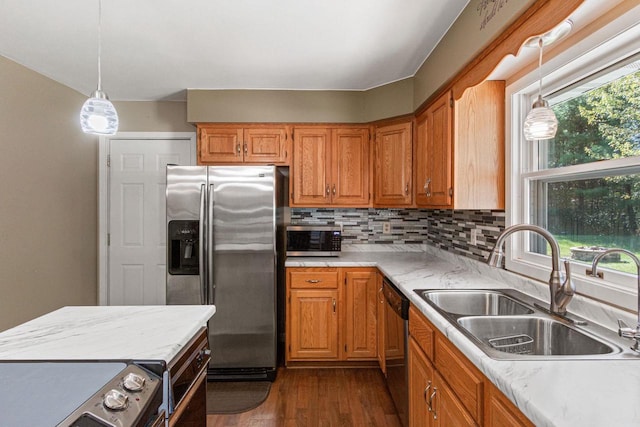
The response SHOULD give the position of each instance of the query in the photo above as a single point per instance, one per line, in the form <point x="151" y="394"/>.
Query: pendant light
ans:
<point x="541" y="122"/>
<point x="98" y="115"/>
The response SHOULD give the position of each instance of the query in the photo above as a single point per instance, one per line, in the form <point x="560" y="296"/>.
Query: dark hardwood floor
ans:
<point x="322" y="398"/>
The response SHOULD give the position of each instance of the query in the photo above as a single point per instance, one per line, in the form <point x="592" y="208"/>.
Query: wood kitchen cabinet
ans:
<point x="446" y="389"/>
<point x="251" y="144"/>
<point x="380" y="321"/>
<point x="331" y="314"/>
<point x="431" y="401"/>
<point x="312" y="314"/>
<point x="393" y="169"/>
<point x="460" y="150"/>
<point x="330" y="166"/>
<point x="360" y="337"/>
<point x="500" y="412"/>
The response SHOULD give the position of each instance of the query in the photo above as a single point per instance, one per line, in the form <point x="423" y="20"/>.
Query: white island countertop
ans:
<point x="558" y="393"/>
<point x="106" y="333"/>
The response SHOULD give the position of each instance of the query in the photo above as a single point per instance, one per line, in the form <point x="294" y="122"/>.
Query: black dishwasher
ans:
<point x="396" y="335"/>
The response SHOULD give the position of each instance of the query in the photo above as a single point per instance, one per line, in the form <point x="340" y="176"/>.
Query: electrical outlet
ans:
<point x="474" y="236"/>
<point x="386" y="228"/>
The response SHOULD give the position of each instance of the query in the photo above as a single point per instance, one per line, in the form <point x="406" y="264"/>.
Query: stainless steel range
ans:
<point x="76" y="393"/>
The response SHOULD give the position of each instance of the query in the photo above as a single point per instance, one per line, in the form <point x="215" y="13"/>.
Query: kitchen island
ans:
<point x="571" y="393"/>
<point x="106" y="333"/>
<point x="87" y="354"/>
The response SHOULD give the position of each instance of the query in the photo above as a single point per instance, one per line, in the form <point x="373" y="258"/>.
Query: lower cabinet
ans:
<point x="431" y="400"/>
<point x="445" y="389"/>
<point x="331" y="314"/>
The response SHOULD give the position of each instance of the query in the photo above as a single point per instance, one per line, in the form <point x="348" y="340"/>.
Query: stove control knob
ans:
<point x="133" y="382"/>
<point x="115" y="400"/>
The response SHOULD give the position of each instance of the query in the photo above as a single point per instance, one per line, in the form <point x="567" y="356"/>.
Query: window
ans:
<point x="584" y="185"/>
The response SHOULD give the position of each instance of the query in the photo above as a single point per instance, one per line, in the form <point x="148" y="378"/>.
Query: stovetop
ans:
<point x="44" y="393"/>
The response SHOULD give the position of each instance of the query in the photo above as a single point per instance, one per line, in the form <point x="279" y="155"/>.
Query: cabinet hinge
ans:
<point x="450" y="191"/>
<point x="292" y="133"/>
<point x="450" y="102"/>
<point x="108" y="160"/>
<point x="345" y="348"/>
<point x="108" y="239"/>
<point x="345" y="280"/>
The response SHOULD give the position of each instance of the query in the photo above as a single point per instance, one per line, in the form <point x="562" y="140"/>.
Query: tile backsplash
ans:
<point x="445" y="229"/>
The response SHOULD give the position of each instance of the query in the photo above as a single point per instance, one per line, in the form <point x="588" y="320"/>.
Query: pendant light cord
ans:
<point x="99" y="43"/>
<point x="540" y="67"/>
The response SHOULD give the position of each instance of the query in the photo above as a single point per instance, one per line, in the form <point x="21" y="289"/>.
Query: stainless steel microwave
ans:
<point x="314" y="240"/>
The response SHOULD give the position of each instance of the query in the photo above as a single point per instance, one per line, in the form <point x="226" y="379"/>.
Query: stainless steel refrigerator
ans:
<point x="223" y="240"/>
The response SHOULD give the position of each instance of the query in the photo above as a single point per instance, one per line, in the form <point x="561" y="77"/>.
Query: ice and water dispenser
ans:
<point x="184" y="247"/>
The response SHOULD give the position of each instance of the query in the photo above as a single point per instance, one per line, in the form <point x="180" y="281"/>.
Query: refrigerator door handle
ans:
<point x="202" y="243"/>
<point x="211" y="292"/>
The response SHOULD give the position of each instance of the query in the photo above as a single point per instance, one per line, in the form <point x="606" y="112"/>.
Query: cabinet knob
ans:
<point x="238" y="149"/>
<point x="327" y="190"/>
<point x="334" y="189"/>
<point x="406" y="189"/>
<point x="427" y="189"/>
<point x="246" y="149"/>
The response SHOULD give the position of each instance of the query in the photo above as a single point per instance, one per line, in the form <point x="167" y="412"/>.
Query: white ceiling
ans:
<point x="155" y="49"/>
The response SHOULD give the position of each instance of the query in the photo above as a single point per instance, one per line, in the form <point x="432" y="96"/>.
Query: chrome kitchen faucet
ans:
<point x="623" y="329"/>
<point x="561" y="293"/>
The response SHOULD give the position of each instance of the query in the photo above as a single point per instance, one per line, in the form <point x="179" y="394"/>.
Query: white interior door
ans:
<point x="136" y="241"/>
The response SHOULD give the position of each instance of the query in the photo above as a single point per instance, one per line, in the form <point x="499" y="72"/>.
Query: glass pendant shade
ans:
<point x="541" y="122"/>
<point x="98" y="115"/>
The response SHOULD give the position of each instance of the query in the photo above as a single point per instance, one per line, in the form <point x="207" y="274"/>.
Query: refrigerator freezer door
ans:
<point x="243" y="331"/>
<point x="185" y="186"/>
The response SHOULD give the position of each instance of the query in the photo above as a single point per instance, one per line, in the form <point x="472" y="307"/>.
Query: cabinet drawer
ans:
<point x="463" y="378"/>
<point x="306" y="279"/>
<point x="421" y="331"/>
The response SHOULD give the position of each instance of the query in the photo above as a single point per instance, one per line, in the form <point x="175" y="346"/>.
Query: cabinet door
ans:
<point x="266" y="145"/>
<point x="420" y="387"/>
<point x="423" y="181"/>
<point x="500" y="412"/>
<point x="438" y="153"/>
<point x="350" y="167"/>
<point x="360" y="314"/>
<point x="310" y="167"/>
<point x="313" y="324"/>
<point x="479" y="167"/>
<point x="219" y="144"/>
<point x="447" y="409"/>
<point x="393" y="177"/>
<point x="381" y="322"/>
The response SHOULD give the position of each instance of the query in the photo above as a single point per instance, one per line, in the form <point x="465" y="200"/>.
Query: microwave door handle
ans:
<point x="210" y="288"/>
<point x="202" y="244"/>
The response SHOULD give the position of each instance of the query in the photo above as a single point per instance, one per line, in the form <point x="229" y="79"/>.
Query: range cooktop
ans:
<point x="51" y="393"/>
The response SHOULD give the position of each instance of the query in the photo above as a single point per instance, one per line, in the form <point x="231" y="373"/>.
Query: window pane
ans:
<point x="588" y="215"/>
<point x="598" y="119"/>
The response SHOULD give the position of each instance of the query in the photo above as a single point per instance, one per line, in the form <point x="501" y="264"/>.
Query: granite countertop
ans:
<point x="106" y="333"/>
<point x="568" y="393"/>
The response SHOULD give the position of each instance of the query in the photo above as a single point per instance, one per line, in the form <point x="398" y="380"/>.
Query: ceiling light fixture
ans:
<point x="98" y="115"/>
<point x="541" y="122"/>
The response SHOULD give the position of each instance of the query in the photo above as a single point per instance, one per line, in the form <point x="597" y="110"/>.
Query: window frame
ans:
<point x="591" y="54"/>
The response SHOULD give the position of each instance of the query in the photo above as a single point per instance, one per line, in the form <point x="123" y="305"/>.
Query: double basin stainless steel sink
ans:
<point x="509" y="325"/>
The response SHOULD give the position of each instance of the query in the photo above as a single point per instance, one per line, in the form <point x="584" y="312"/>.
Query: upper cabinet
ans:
<point x="393" y="171"/>
<point x="460" y="150"/>
<point x="231" y="144"/>
<point x="434" y="155"/>
<point x="330" y="166"/>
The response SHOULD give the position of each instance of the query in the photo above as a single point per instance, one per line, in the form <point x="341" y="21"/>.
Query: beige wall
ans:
<point x="160" y="116"/>
<point x="48" y="198"/>
<point x="292" y="106"/>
